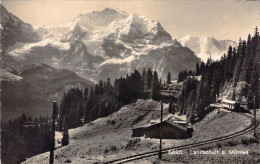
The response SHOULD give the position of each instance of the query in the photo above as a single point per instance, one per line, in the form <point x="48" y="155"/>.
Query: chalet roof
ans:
<point x="145" y="125"/>
<point x="165" y="121"/>
<point x="180" y="122"/>
<point x="228" y="101"/>
<point x="176" y="125"/>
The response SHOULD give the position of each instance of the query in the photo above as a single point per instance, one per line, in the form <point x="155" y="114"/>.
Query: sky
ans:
<point x="222" y="19"/>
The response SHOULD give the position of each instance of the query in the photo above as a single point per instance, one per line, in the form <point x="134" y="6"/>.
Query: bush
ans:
<point x="218" y="145"/>
<point x="248" y="140"/>
<point x="68" y="161"/>
<point x="245" y="141"/>
<point x="230" y="143"/>
<point x="253" y="140"/>
<point x="106" y="150"/>
<point x="113" y="122"/>
<point x="113" y="148"/>
<point x="65" y="138"/>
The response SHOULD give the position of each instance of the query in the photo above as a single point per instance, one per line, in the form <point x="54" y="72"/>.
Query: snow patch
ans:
<point x="20" y="49"/>
<point x="6" y="75"/>
<point x="118" y="61"/>
<point x="206" y="47"/>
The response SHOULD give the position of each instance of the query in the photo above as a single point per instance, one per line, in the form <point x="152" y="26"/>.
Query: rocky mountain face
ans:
<point x="107" y="43"/>
<point x="206" y="47"/>
<point x="27" y="86"/>
<point x="14" y="30"/>
<point x="34" y="89"/>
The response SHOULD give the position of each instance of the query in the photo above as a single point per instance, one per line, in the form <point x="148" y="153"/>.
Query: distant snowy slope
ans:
<point x="204" y="47"/>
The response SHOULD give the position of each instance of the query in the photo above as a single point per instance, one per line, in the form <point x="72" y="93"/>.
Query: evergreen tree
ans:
<point x="155" y="92"/>
<point x="148" y="81"/>
<point x="197" y="69"/>
<point x="241" y="72"/>
<point x="202" y="67"/>
<point x="135" y="85"/>
<point x="65" y="137"/>
<point x="143" y="78"/>
<point x="227" y="71"/>
<point x="86" y="93"/>
<point x="169" y="78"/>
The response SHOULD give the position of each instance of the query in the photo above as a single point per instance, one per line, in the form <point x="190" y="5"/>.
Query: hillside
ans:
<point x="110" y="138"/>
<point x="37" y="86"/>
<point x="246" y="143"/>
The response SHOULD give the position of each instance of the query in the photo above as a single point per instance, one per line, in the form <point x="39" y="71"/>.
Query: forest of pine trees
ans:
<point x="19" y="141"/>
<point x="241" y="64"/>
<point x="78" y="106"/>
<point x="184" y="74"/>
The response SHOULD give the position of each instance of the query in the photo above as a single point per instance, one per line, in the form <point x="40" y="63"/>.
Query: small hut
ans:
<point x="170" y="130"/>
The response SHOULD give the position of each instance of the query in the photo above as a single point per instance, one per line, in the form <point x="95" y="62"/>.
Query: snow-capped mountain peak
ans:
<point x="107" y="43"/>
<point x="206" y="47"/>
<point x="102" y="18"/>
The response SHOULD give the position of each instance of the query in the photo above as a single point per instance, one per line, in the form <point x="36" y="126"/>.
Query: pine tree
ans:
<point x="179" y="77"/>
<point x="197" y="69"/>
<point x="148" y="81"/>
<point x="65" y="137"/>
<point x="86" y="92"/>
<point x="161" y="85"/>
<point x="242" y="71"/>
<point x="135" y="85"/>
<point x="155" y="92"/>
<point x="169" y="78"/>
<point x="227" y="71"/>
<point x="143" y="78"/>
<point x="202" y="67"/>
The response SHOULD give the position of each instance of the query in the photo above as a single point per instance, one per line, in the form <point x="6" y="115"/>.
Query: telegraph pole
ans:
<point x="254" y="117"/>
<point x="54" y="114"/>
<point x="160" y="152"/>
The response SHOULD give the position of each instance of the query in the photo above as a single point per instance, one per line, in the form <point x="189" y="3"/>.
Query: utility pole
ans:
<point x="54" y="115"/>
<point x="254" y="117"/>
<point x="160" y="152"/>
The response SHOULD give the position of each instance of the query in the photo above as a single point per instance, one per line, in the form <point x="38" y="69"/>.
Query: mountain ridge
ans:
<point x="34" y="89"/>
<point x="107" y="43"/>
<point x="206" y="47"/>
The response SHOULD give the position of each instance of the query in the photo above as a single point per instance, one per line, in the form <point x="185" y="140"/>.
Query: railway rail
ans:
<point x="192" y="145"/>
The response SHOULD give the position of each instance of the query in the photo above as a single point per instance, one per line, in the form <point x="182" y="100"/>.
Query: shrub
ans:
<point x="218" y="145"/>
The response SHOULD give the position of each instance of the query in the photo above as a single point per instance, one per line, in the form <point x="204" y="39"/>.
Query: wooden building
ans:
<point x="170" y="130"/>
<point x="230" y="104"/>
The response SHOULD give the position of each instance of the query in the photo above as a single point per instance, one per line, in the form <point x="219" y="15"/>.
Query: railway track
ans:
<point x="192" y="145"/>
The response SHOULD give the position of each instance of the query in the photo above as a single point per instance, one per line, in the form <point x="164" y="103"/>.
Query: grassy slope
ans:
<point x="243" y="143"/>
<point x="219" y="123"/>
<point x="110" y="138"/>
